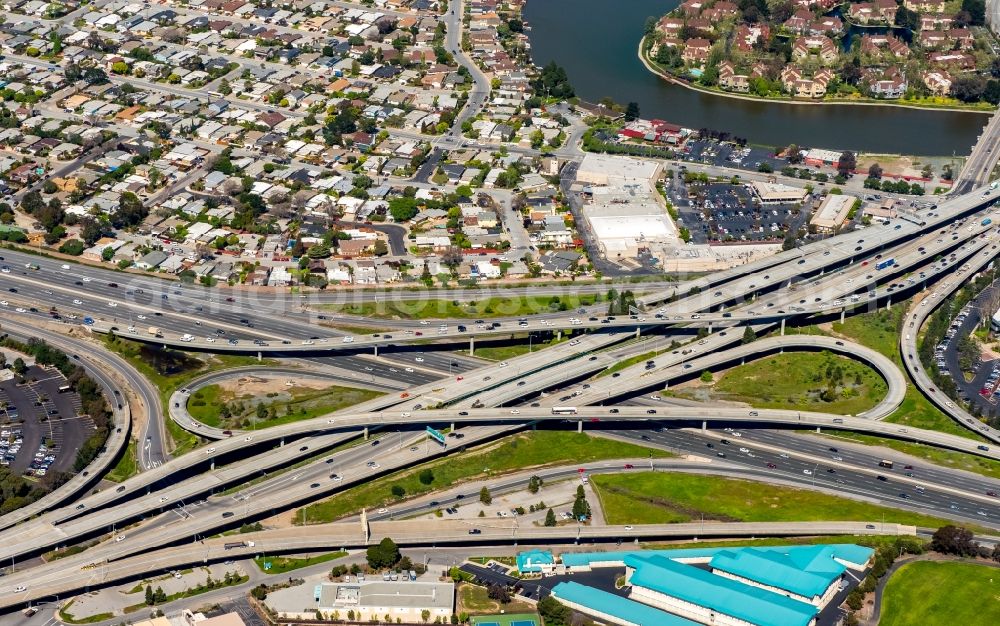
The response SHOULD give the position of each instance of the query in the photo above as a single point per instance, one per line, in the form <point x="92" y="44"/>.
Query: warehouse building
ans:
<point x="766" y="586"/>
<point x="363" y="601"/>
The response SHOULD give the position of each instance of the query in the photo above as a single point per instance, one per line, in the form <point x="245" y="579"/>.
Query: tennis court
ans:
<point x="522" y="619"/>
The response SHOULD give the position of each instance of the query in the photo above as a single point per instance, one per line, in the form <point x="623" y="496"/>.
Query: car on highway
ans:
<point x="475" y="531"/>
<point x="314" y="485"/>
<point x="336" y="478"/>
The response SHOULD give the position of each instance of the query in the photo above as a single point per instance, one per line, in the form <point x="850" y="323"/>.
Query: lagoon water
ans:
<point x="596" y="41"/>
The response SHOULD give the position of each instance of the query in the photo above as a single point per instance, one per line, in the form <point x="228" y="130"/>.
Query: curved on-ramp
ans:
<point x="915" y="318"/>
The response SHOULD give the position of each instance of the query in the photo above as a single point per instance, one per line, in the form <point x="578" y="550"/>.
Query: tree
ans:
<point x="535" y="482"/>
<point x="954" y="540"/>
<point x="131" y="211"/>
<point x="631" y="111"/>
<point x="398" y="491"/>
<point x="875" y="171"/>
<point x="425" y="615"/>
<point x="846" y="163"/>
<point x="426" y="476"/>
<point x="484" y="496"/>
<point x="968" y="88"/>
<point x="749" y="336"/>
<point x="19" y="366"/>
<point x="380" y="248"/>
<point x="976" y="10"/>
<point x="384" y="554"/>
<point x="550" y="518"/>
<point x="499" y="592"/>
<point x="149" y="596"/>
<point x="907" y="19"/>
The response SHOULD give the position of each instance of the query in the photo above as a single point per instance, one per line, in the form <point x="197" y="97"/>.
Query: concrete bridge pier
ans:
<point x="366" y="433"/>
<point x="637" y="329"/>
<point x="559" y="335"/>
<point x="281" y="442"/>
<point x="212" y="464"/>
<point x="376" y="351"/>
<point x="843" y="314"/>
<point x="704" y="425"/>
<point x="260" y="357"/>
<point x="818" y="429"/>
<point x="472" y="345"/>
<point x="782" y="327"/>
<point x="888" y="304"/>
<point x="453" y="427"/>
<point x="579" y="426"/>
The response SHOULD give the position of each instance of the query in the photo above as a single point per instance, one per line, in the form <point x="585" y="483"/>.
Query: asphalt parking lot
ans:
<point x="44" y="429"/>
<point x="715" y="212"/>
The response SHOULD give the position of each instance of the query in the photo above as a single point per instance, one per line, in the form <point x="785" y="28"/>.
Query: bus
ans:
<point x="65" y="388"/>
<point x="564" y="410"/>
<point x="885" y="463"/>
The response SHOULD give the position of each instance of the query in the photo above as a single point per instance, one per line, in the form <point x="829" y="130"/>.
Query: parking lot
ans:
<point x="718" y="212"/>
<point x="41" y="429"/>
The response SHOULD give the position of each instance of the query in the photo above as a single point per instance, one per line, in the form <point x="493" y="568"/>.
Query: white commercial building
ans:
<point x="832" y="212"/>
<point x="622" y="207"/>
<point x="774" y="193"/>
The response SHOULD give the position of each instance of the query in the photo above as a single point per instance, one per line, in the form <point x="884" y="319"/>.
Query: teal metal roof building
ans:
<point x="612" y="607"/>
<point x="718" y="594"/>
<point x="805" y="556"/>
<point x="535" y="561"/>
<point x="808" y="578"/>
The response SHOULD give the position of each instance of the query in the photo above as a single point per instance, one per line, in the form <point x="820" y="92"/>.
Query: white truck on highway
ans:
<point x="154" y="331"/>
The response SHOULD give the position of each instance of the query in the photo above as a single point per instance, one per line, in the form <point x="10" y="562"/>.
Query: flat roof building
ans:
<point x="832" y="212"/>
<point x="602" y="169"/>
<point x="774" y="193"/>
<point x="372" y="601"/>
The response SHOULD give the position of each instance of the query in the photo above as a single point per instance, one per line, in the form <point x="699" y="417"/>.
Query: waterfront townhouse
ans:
<point x="934" y="39"/>
<point x="938" y="82"/>
<point x="962" y="37"/>
<point x="953" y="60"/>
<point x="749" y="35"/>
<point x="876" y="45"/>
<point x="879" y="11"/>
<point x="889" y="83"/>
<point x="925" y="6"/>
<point x="730" y="80"/>
<point x="819" y="45"/>
<point x="935" y="22"/>
<point x="720" y="11"/>
<point x="696" y="51"/>
<point x="795" y="82"/>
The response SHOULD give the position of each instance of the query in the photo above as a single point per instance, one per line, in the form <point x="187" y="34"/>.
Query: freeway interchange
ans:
<point x="145" y="524"/>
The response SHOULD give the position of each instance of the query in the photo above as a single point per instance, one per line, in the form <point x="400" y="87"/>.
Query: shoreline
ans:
<point x="737" y="96"/>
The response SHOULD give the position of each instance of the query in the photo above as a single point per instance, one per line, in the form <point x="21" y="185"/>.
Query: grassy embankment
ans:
<point x="662" y="498"/>
<point x="517" y="452"/>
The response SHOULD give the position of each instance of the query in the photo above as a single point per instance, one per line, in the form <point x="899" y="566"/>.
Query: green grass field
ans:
<point x="464" y="309"/>
<point x="127" y="466"/>
<point x="291" y="405"/>
<point x="664" y="498"/>
<point x="929" y="593"/>
<point x="169" y="370"/>
<point x="804" y="381"/>
<point x="281" y="564"/>
<point x="880" y="330"/>
<point x="521" y="451"/>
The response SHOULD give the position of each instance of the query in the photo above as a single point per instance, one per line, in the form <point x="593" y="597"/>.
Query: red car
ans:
<point x="771" y="465"/>
<point x="629" y="466"/>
